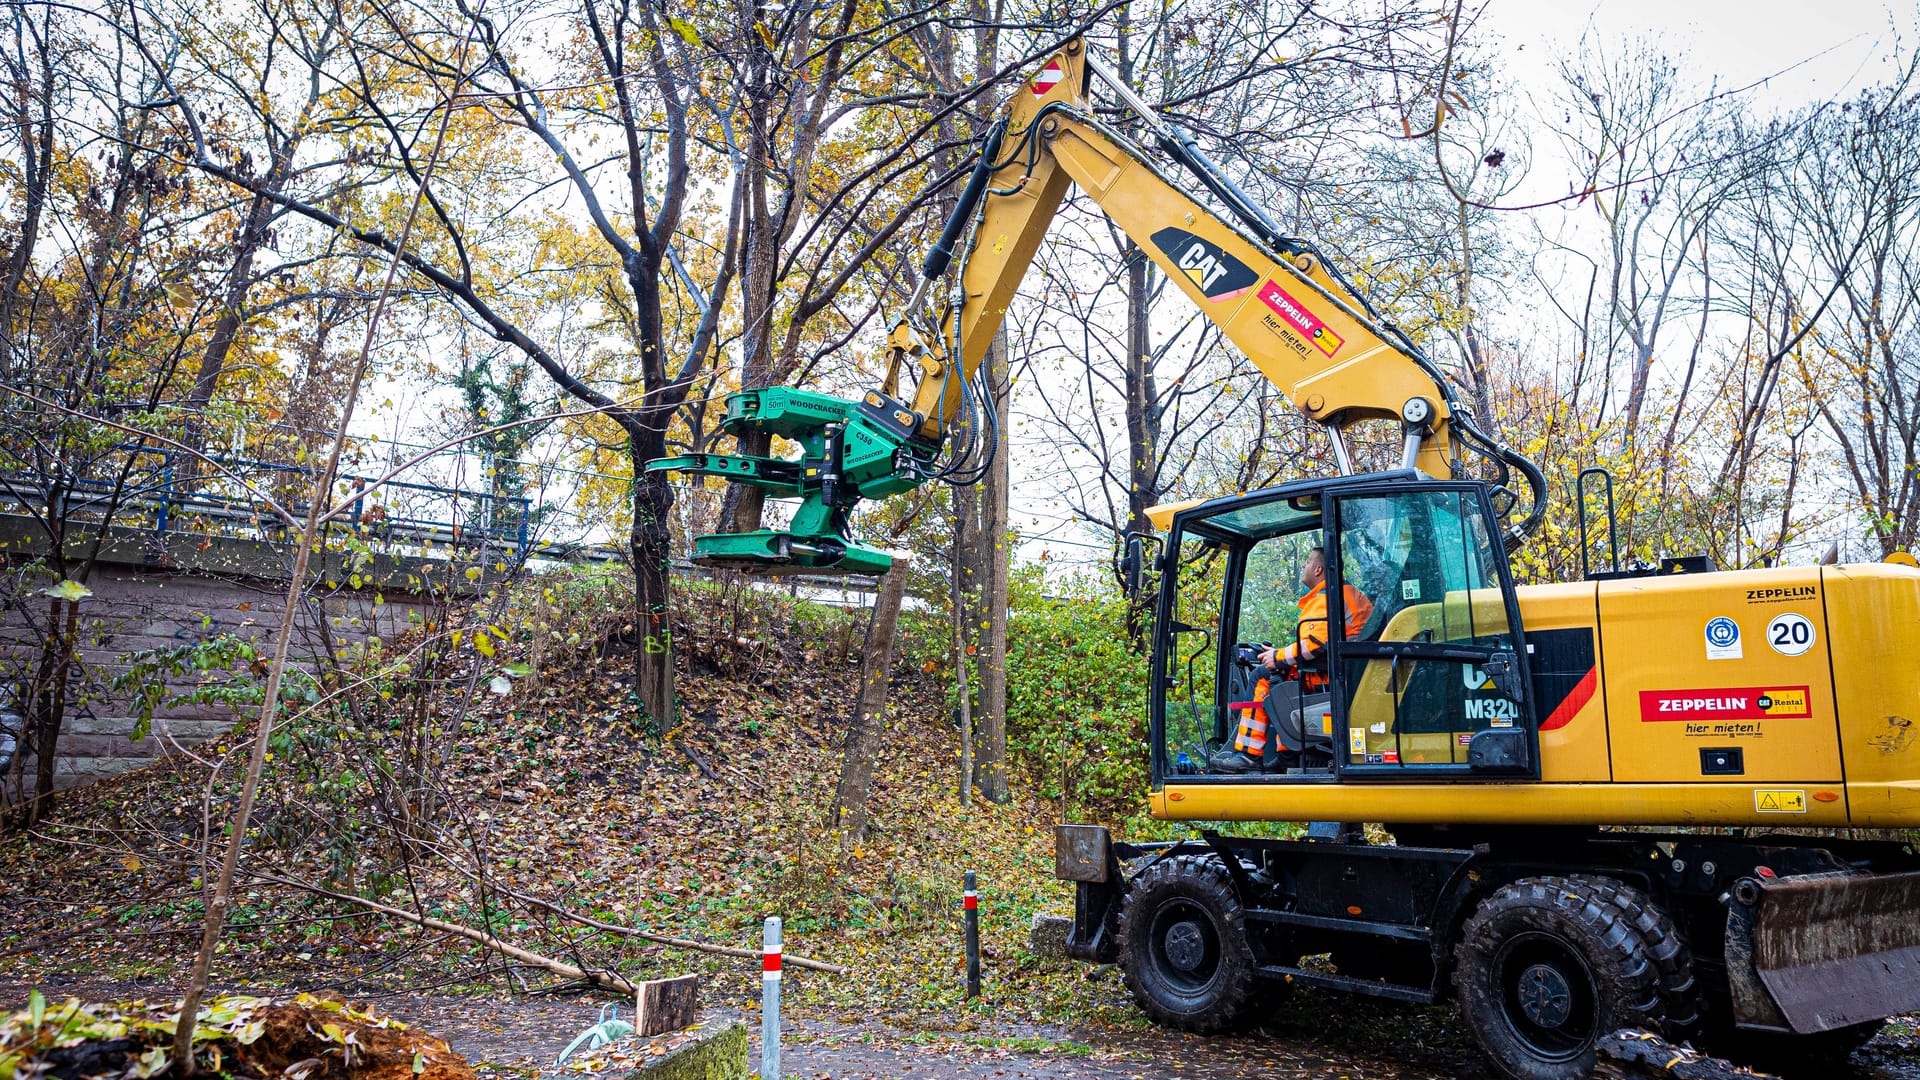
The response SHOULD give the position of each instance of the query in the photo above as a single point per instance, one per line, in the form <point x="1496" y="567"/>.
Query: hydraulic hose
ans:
<point x="937" y="260"/>
<point x="1506" y="457"/>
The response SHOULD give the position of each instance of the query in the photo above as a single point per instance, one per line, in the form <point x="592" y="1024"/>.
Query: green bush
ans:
<point x="1077" y="700"/>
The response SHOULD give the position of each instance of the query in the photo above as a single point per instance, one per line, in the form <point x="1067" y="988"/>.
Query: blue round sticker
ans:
<point x="1722" y="632"/>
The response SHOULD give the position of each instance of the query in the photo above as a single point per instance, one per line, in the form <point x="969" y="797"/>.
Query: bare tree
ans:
<point x="1856" y="193"/>
<point x="748" y="91"/>
<point x="1658" y="167"/>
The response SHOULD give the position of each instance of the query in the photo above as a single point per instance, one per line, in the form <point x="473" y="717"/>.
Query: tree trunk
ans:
<point x="969" y="565"/>
<point x="964" y="709"/>
<point x="743" y="504"/>
<point x="649" y="544"/>
<point x="992" y="767"/>
<point x="1143" y="429"/>
<point x="869" y="718"/>
<point x="46" y="708"/>
<point x="53" y="718"/>
<point x="233" y="303"/>
<point x="36" y="167"/>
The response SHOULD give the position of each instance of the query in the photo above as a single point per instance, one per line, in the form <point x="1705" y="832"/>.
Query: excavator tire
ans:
<point x="1545" y="967"/>
<point x="1679" y="990"/>
<point x="1183" y="943"/>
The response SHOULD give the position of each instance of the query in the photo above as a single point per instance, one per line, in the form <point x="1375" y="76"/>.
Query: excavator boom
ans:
<point x="1274" y="297"/>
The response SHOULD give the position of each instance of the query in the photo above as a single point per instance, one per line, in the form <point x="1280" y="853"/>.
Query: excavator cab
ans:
<point x="1392" y="591"/>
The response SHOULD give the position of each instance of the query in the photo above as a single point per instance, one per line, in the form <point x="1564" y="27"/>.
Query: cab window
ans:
<point x="1428" y="561"/>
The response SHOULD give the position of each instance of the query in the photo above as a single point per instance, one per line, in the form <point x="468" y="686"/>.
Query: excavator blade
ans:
<point x="1833" y="950"/>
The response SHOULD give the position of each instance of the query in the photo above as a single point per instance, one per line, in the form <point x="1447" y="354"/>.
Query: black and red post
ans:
<point x="971" y="903"/>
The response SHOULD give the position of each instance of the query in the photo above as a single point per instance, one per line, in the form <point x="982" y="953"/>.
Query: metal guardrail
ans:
<point x="166" y="497"/>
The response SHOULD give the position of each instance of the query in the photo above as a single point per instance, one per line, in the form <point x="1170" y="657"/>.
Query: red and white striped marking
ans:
<point x="770" y="964"/>
<point x="971" y="900"/>
<point x="1048" y="78"/>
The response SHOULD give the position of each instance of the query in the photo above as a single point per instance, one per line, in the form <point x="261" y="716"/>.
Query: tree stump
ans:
<point x="663" y="1005"/>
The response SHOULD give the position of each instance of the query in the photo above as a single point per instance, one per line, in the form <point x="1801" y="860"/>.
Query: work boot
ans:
<point x="1233" y="761"/>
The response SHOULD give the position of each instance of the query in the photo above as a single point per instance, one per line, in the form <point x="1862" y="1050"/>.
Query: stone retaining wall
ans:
<point x="142" y="601"/>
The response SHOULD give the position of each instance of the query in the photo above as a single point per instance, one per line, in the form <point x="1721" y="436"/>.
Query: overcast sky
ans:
<point x="1803" y="51"/>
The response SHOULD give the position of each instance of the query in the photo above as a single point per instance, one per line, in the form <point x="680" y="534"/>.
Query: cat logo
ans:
<point x="1218" y="275"/>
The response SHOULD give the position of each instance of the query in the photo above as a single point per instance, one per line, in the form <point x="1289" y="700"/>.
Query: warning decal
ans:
<point x="1779" y="801"/>
<point x="1048" y="78"/>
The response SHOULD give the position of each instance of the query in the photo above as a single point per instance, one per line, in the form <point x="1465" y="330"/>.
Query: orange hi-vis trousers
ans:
<point x="1251" y="738"/>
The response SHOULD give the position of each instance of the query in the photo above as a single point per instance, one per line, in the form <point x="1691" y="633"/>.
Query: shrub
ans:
<point x="1077" y="701"/>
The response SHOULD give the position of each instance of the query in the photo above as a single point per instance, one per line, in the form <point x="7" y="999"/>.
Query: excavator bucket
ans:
<point x="1830" y="950"/>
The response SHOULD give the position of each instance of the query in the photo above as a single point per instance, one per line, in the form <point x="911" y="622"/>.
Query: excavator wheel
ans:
<point x="1679" y="990"/>
<point x="1545" y="967"/>
<point x="1184" y="946"/>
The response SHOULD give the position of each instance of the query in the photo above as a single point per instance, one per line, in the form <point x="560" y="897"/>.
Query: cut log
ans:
<point x="663" y="1005"/>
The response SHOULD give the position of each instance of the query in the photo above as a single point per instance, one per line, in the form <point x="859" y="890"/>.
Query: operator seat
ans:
<point x="1296" y="718"/>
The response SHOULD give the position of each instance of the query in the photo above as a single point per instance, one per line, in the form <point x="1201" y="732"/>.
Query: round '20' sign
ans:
<point x="1790" y="634"/>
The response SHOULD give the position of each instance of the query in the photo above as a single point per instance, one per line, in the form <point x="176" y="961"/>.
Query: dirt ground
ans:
<point x="1316" y="1036"/>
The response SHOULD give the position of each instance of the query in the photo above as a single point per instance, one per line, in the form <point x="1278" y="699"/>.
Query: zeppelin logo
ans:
<point x="1049" y="77"/>
<point x="1297" y="316"/>
<point x="1740" y="703"/>
<point x="1775" y="596"/>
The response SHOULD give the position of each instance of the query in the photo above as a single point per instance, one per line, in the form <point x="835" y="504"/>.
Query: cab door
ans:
<point x="1434" y="679"/>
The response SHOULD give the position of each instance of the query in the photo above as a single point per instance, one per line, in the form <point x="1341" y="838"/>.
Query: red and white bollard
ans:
<point x="770" y="1002"/>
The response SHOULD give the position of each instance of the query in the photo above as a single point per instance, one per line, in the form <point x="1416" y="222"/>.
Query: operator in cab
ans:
<point x="1313" y="624"/>
<point x="1291" y="664"/>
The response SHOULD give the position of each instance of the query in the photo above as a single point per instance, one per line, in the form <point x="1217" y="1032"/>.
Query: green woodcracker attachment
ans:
<point x="849" y="451"/>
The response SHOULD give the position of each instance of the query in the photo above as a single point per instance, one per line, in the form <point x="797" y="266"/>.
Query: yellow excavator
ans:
<point x="1505" y="737"/>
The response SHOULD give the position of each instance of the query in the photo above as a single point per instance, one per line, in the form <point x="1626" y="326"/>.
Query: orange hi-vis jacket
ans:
<point x="1313" y="628"/>
<point x="1251" y="738"/>
<point x="1313" y="618"/>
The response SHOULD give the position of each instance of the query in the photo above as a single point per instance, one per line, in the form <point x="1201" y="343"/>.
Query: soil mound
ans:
<point x="306" y="1038"/>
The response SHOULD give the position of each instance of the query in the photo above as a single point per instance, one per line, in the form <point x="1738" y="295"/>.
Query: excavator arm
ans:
<point x="1273" y="296"/>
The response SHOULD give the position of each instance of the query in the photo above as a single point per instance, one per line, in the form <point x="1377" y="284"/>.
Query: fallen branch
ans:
<point x="606" y="980"/>
<point x="699" y="762"/>
<point x="788" y="960"/>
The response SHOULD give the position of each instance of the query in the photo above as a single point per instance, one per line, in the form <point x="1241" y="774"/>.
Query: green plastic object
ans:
<point x="849" y="451"/>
